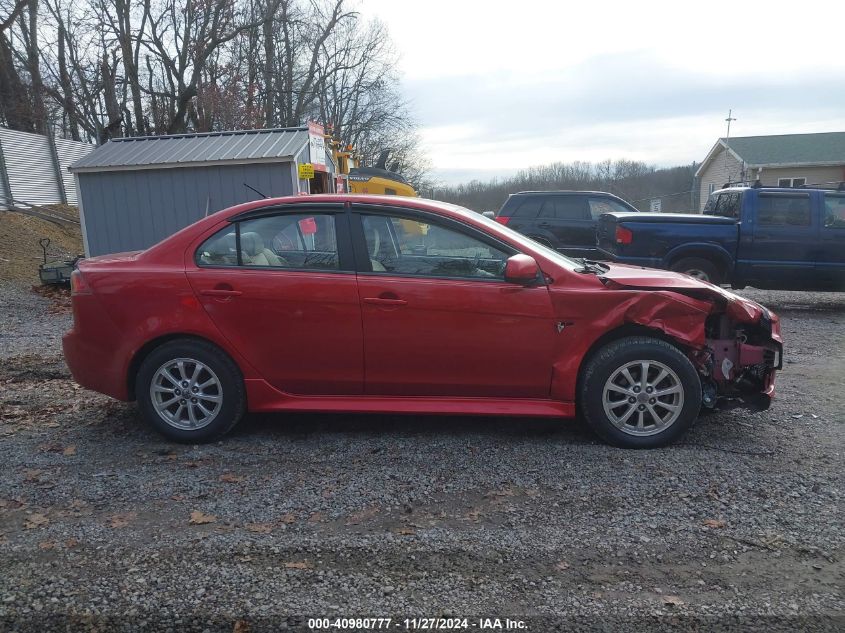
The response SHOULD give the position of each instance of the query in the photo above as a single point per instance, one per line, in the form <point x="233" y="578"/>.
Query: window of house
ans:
<point x="290" y="240"/>
<point x="711" y="188"/>
<point x="783" y="210"/>
<point x="792" y="182"/>
<point x="410" y="247"/>
<point x="834" y="211"/>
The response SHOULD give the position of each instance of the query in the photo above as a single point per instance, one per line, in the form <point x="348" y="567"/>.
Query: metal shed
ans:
<point x="134" y="192"/>
<point x="33" y="169"/>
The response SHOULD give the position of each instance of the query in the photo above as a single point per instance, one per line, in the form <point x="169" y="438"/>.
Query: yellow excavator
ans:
<point x="377" y="180"/>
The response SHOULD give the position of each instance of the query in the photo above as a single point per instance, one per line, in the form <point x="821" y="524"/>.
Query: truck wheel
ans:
<point x="698" y="268"/>
<point x="190" y="391"/>
<point x="640" y="392"/>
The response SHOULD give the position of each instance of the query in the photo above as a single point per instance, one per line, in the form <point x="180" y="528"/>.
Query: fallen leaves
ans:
<point x="303" y="564"/>
<point x="406" y="531"/>
<point x="363" y="515"/>
<point x="673" y="600"/>
<point x="231" y="478"/>
<point x="714" y="524"/>
<point x="201" y="518"/>
<point x="241" y="626"/>
<point x="259" y="528"/>
<point x="36" y="520"/>
<point x="118" y="521"/>
<point x="562" y="565"/>
<point x="288" y="518"/>
<point x="69" y="451"/>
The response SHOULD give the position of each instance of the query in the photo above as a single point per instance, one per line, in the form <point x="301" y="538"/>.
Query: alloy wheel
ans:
<point x="186" y="393"/>
<point x="643" y="397"/>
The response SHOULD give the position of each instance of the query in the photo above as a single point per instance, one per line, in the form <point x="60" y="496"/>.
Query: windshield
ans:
<point x="521" y="239"/>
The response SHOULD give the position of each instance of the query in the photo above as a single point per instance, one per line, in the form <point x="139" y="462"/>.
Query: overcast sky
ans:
<point x="497" y="86"/>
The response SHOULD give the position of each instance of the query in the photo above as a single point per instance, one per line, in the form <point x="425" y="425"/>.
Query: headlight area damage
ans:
<point x="736" y="352"/>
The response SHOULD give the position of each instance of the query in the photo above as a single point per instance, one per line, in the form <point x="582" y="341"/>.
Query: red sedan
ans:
<point x="384" y="304"/>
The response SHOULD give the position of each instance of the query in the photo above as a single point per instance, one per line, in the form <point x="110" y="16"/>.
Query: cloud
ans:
<point x="630" y="105"/>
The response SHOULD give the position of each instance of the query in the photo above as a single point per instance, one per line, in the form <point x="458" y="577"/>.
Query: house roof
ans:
<point x="181" y="150"/>
<point x="784" y="150"/>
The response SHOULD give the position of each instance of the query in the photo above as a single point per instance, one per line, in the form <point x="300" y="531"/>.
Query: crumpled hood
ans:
<point x="638" y="278"/>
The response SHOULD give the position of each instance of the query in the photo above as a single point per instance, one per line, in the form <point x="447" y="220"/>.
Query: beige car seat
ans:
<point x="252" y="247"/>
<point x="375" y="240"/>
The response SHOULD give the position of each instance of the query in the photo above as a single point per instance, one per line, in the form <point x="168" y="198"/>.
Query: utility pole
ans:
<point x="728" y="143"/>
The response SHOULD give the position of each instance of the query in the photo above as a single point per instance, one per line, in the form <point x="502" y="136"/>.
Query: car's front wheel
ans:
<point x="640" y="392"/>
<point x="190" y="391"/>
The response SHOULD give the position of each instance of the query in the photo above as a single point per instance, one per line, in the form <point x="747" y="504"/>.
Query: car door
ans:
<point x="439" y="318"/>
<point x="280" y="286"/>
<point x="568" y="219"/>
<point x="831" y="262"/>
<point x="784" y="246"/>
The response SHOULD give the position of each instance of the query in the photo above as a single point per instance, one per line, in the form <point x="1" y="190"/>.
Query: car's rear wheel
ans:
<point x="640" y="392"/>
<point x="699" y="268"/>
<point x="190" y="391"/>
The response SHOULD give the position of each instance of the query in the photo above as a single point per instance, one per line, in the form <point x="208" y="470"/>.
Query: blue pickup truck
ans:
<point x="766" y="237"/>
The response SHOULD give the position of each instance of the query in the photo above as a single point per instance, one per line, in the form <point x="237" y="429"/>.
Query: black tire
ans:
<point x="618" y="354"/>
<point x="699" y="268"/>
<point x="227" y="374"/>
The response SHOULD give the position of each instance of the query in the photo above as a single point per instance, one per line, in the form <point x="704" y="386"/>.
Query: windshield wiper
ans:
<point x="591" y="266"/>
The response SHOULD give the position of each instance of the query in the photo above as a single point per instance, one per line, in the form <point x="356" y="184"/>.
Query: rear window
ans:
<point x="598" y="206"/>
<point x="725" y="204"/>
<point x="834" y="211"/>
<point x="529" y="207"/>
<point x="776" y="209"/>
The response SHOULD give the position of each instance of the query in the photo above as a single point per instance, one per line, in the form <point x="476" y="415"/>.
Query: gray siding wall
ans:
<point x="134" y="209"/>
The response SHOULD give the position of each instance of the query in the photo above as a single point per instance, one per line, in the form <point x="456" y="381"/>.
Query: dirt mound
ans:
<point x="20" y="253"/>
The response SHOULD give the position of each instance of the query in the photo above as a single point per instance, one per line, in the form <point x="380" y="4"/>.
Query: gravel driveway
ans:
<point x="105" y="526"/>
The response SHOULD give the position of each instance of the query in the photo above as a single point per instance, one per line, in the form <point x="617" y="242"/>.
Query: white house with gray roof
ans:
<point x="783" y="160"/>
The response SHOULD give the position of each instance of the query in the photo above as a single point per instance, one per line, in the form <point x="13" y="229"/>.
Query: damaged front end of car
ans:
<point x="736" y="353"/>
<point x="739" y="361"/>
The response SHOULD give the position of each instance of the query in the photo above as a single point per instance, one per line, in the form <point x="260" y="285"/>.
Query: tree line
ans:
<point x="98" y="69"/>
<point x="634" y="181"/>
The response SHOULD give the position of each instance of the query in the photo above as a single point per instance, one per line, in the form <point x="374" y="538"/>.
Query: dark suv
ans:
<point x="564" y="220"/>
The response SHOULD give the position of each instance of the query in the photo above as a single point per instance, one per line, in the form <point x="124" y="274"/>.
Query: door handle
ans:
<point x="220" y="292"/>
<point x="382" y="301"/>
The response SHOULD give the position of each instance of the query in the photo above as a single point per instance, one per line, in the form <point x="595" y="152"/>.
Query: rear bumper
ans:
<point x="93" y="366"/>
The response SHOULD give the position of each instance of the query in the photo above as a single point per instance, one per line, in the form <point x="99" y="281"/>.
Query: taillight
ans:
<point x="78" y="285"/>
<point x="623" y="235"/>
<point x="502" y="219"/>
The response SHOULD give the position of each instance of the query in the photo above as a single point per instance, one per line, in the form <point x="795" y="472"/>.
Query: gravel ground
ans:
<point x="105" y="526"/>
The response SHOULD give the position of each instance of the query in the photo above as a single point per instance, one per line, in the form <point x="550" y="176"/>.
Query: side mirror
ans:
<point x="521" y="269"/>
<point x="489" y="214"/>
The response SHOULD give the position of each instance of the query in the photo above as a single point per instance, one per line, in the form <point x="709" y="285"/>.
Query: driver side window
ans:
<point x="405" y="246"/>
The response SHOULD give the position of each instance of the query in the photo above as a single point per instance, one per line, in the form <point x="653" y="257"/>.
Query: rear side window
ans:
<point x="834" y="211"/>
<point x="529" y="208"/>
<point x="565" y="208"/>
<point x="291" y="240"/>
<point x="783" y="210"/>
